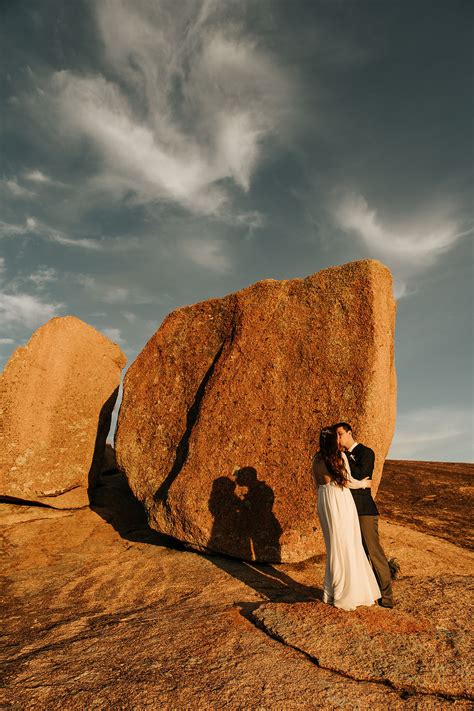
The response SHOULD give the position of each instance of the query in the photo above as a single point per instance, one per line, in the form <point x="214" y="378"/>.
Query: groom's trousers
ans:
<point x="369" y="527"/>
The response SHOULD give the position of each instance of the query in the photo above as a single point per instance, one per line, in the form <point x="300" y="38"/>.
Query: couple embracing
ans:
<point x="342" y="469"/>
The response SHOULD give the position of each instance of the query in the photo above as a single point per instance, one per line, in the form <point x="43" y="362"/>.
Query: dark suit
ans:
<point x="361" y="462"/>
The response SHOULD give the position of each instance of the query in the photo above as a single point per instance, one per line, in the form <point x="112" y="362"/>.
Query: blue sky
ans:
<point x="154" y="154"/>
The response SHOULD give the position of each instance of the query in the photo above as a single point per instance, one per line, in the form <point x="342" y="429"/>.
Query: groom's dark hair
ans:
<point x="345" y="425"/>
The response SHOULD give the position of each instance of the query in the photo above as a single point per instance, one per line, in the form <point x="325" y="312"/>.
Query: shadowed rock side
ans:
<point x="57" y="394"/>
<point x="245" y="383"/>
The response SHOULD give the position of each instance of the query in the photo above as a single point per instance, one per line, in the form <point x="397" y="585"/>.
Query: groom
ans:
<point x="361" y="461"/>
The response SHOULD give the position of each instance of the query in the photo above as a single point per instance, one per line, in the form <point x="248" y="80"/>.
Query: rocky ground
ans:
<point x="433" y="497"/>
<point x="100" y="612"/>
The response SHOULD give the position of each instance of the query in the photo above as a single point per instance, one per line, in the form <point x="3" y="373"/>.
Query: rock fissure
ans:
<point x="182" y="449"/>
<point x="403" y="692"/>
<point x="230" y="472"/>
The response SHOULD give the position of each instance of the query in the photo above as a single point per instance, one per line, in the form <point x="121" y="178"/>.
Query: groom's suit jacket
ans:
<point x="361" y="462"/>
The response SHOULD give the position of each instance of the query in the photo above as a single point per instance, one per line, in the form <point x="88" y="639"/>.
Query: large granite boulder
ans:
<point x="57" y="394"/>
<point x="221" y="410"/>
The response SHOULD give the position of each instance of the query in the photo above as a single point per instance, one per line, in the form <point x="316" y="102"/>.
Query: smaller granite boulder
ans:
<point x="57" y="394"/>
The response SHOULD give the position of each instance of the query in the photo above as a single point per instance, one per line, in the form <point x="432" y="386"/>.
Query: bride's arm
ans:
<point x="351" y="482"/>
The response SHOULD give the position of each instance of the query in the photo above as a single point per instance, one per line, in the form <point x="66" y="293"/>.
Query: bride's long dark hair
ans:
<point x="331" y="455"/>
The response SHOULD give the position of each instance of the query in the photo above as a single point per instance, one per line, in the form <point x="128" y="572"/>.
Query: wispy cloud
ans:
<point x="12" y="186"/>
<point x="130" y="316"/>
<point x="409" y="246"/>
<point x="25" y="310"/>
<point x="206" y="253"/>
<point x="36" y="176"/>
<point x="35" y="228"/>
<point x="425" y="432"/>
<point x="195" y="103"/>
<point x="42" y="276"/>
<point x="22" y="309"/>
<point x="109" y="293"/>
<point x="114" y="334"/>
<point x="78" y="242"/>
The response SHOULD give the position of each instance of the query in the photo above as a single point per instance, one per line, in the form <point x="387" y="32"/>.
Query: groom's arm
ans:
<point x="365" y="464"/>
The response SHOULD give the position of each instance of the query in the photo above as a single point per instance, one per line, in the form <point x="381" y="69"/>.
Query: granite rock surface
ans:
<point x="57" y="394"/>
<point x="222" y="409"/>
<point x="99" y="611"/>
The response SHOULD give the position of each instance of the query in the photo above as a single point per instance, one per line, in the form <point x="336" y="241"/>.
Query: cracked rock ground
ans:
<point x="100" y="612"/>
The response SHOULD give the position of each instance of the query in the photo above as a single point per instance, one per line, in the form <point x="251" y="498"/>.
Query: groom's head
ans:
<point x="344" y="435"/>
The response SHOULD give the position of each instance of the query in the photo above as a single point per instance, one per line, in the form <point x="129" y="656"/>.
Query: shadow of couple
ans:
<point x="244" y="527"/>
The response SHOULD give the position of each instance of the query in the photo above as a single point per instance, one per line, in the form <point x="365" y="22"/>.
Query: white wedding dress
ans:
<point x="349" y="580"/>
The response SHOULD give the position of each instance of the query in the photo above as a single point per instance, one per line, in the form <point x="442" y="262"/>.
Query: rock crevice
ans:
<point x="221" y="410"/>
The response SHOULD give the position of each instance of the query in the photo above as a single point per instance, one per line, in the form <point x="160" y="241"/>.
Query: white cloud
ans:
<point x="19" y="309"/>
<point x="16" y="189"/>
<point x="39" y="229"/>
<point x="407" y="247"/>
<point x="25" y="310"/>
<point x="204" y="100"/>
<point x="81" y="242"/>
<point x="42" y="276"/>
<point x="110" y="294"/>
<point x="9" y="230"/>
<point x="206" y="253"/>
<point x="6" y="341"/>
<point x="130" y="316"/>
<point x="36" y="176"/>
<point x="116" y="295"/>
<point x="427" y="432"/>
<point x="114" y="334"/>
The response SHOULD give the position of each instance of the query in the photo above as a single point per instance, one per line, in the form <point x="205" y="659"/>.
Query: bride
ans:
<point x="349" y="579"/>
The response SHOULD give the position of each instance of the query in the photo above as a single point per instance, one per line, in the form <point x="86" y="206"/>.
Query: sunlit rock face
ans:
<point x="57" y="394"/>
<point x="221" y="410"/>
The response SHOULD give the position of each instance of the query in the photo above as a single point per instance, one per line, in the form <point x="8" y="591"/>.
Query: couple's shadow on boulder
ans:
<point x="245" y="527"/>
<point x="246" y="521"/>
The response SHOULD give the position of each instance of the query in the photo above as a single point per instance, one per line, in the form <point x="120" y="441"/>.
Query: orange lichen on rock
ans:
<point x="221" y="410"/>
<point x="57" y="394"/>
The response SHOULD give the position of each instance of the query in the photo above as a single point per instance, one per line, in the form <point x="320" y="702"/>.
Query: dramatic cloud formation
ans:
<point x="186" y="103"/>
<point x="157" y="153"/>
